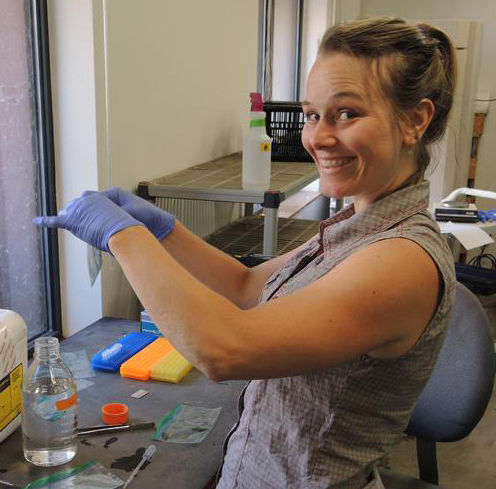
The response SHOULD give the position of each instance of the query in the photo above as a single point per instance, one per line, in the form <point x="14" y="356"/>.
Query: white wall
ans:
<point x="73" y="95"/>
<point x="339" y="10"/>
<point x="177" y="76"/>
<point x="484" y="10"/>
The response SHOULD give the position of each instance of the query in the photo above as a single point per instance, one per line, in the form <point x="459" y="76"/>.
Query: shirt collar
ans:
<point x="381" y="215"/>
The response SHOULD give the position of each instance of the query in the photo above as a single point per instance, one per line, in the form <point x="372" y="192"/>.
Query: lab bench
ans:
<point x="220" y="180"/>
<point x="173" y="465"/>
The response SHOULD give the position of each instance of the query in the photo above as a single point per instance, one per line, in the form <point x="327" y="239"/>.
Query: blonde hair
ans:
<point x="413" y="62"/>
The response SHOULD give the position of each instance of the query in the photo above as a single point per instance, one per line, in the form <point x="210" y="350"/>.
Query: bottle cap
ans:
<point x="115" y="413"/>
<point x="256" y="102"/>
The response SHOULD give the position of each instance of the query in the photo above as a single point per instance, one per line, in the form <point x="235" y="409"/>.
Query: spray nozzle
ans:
<point x="256" y="102"/>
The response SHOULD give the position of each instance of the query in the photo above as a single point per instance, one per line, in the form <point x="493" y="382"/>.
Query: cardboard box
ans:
<point x="147" y="325"/>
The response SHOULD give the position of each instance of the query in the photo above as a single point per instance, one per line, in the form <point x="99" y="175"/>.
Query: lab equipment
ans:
<point x="453" y="209"/>
<point x="186" y="423"/>
<point x="91" y="474"/>
<point x="114" y="355"/>
<point x="8" y="485"/>
<point x="140" y="365"/>
<point x="172" y="368"/>
<point x="13" y="366"/>
<point x="256" y="149"/>
<point x="146" y="456"/>
<point x="115" y="413"/>
<point x="208" y="182"/>
<point x="96" y="430"/>
<point x="77" y="362"/>
<point x="456" y="211"/>
<point x="147" y="324"/>
<point x="49" y="417"/>
<point x="139" y="394"/>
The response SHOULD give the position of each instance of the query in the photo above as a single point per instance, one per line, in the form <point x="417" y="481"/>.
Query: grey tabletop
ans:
<point x="173" y="465"/>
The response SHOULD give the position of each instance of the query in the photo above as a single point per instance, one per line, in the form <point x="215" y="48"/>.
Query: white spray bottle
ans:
<point x="256" y="149"/>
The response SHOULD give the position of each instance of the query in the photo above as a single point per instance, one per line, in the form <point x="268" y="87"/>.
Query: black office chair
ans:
<point x="456" y="395"/>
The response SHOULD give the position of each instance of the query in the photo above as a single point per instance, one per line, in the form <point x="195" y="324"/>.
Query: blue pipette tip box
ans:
<point x="115" y="354"/>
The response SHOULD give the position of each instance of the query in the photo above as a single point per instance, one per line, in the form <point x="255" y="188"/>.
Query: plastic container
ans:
<point x="140" y="365"/>
<point x="49" y="417"/>
<point x="256" y="149"/>
<point x="147" y="325"/>
<point x="284" y="124"/>
<point x="13" y="367"/>
<point x="115" y="413"/>
<point x="114" y="355"/>
<point x="172" y="368"/>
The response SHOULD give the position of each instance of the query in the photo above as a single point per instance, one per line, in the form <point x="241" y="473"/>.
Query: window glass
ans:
<point x="22" y="264"/>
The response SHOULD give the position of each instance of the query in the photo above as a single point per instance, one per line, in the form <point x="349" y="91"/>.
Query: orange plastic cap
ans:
<point x="115" y="413"/>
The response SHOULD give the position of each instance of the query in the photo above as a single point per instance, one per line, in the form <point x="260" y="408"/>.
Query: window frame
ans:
<point x="43" y="115"/>
<point x="266" y="48"/>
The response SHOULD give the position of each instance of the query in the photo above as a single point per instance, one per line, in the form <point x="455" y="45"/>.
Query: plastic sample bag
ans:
<point x="91" y="475"/>
<point x="186" y="424"/>
<point x="77" y="362"/>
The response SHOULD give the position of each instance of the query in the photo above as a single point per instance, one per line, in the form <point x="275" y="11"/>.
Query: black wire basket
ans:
<point x="284" y="123"/>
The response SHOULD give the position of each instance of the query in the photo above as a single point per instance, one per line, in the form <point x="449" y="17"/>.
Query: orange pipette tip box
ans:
<point x="140" y="365"/>
<point x="172" y="368"/>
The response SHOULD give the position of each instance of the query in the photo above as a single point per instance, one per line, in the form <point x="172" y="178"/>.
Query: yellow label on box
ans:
<point x="10" y="396"/>
<point x="265" y="147"/>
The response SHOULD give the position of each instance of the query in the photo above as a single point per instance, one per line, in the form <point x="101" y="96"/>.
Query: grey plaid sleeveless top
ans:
<point x="327" y="430"/>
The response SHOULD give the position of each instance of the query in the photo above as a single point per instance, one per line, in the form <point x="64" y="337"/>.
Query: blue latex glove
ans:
<point x="92" y="217"/>
<point x="491" y="215"/>
<point x="159" y="222"/>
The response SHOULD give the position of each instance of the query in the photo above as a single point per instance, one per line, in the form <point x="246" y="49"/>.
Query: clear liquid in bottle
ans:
<point x="49" y="416"/>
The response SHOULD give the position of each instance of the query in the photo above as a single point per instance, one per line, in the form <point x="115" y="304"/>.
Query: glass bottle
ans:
<point x="49" y="415"/>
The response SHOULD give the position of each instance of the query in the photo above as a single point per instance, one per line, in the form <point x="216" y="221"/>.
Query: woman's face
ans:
<point x="352" y="133"/>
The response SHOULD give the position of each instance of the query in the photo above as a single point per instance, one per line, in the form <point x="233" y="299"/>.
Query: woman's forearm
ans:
<point x="179" y="303"/>
<point x="216" y="269"/>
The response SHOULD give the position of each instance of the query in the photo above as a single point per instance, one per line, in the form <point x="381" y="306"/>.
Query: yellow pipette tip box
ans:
<point x="172" y="368"/>
<point x="140" y="365"/>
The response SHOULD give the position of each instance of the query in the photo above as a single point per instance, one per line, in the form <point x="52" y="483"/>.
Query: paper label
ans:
<point x="10" y="396"/>
<point x="65" y="404"/>
<point x="53" y="407"/>
<point x="265" y="147"/>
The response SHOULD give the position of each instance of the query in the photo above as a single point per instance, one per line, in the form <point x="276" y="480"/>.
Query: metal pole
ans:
<point x="298" y="43"/>
<point x="262" y="41"/>
<point x="270" y="231"/>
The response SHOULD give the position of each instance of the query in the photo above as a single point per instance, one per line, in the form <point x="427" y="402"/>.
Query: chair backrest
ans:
<point x="460" y="387"/>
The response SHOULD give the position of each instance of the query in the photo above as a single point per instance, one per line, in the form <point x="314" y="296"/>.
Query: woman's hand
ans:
<point x="93" y="217"/>
<point x="159" y="222"/>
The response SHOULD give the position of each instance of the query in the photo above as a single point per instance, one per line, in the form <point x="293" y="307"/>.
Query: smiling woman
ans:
<point x="340" y="335"/>
<point x="352" y="133"/>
